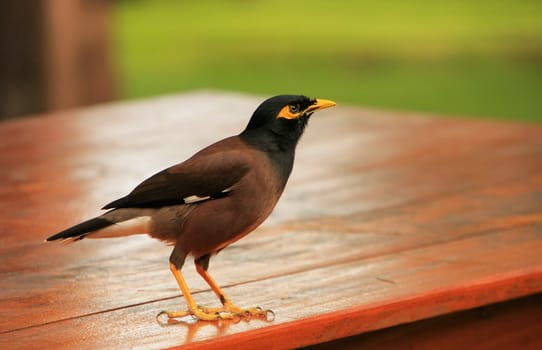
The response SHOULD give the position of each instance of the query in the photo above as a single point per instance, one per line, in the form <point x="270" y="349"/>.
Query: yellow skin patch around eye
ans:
<point x="285" y="113"/>
<point x="319" y="104"/>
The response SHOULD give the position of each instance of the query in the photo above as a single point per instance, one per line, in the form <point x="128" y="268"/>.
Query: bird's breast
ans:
<point x="215" y="224"/>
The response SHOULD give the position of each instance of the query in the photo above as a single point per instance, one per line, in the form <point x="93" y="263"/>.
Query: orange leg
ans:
<point x="228" y="306"/>
<point x="193" y="309"/>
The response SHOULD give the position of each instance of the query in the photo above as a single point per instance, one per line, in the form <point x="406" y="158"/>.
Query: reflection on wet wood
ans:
<point x="388" y="219"/>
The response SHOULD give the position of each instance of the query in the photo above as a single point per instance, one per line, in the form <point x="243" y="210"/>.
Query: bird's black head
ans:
<point x="279" y="122"/>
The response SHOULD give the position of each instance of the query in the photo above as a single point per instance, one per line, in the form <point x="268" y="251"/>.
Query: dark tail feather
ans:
<point x="115" y="204"/>
<point x="81" y="230"/>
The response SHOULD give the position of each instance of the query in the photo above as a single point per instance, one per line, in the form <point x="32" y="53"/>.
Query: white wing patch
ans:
<point x="196" y="199"/>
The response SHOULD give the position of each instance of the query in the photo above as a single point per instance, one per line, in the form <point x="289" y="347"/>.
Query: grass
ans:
<point x="468" y="58"/>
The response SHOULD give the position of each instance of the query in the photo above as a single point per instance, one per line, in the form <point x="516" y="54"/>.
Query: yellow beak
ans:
<point x="320" y="104"/>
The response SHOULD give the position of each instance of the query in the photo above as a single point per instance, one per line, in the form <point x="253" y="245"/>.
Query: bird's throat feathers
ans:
<point x="278" y="143"/>
<point x="280" y="136"/>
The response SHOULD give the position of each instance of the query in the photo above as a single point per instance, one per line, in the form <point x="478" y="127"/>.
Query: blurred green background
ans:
<point x="468" y="58"/>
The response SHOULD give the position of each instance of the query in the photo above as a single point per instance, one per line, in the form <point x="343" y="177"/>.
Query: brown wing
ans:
<point x="209" y="173"/>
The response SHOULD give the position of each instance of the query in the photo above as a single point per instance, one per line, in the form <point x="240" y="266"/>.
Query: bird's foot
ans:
<point x="227" y="312"/>
<point x="200" y="313"/>
<point x="231" y="309"/>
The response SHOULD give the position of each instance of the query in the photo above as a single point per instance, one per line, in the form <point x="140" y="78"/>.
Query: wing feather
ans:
<point x="209" y="173"/>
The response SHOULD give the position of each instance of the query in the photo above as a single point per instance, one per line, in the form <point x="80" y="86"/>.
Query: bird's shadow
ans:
<point x="195" y="326"/>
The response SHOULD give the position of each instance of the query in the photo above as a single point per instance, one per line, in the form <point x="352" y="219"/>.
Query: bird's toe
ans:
<point x="201" y="312"/>
<point x="166" y="317"/>
<point x="257" y="311"/>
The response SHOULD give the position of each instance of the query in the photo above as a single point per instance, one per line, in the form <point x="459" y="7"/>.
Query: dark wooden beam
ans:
<point x="55" y="54"/>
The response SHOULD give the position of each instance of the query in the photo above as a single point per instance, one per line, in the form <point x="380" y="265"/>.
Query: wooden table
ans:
<point x="392" y="225"/>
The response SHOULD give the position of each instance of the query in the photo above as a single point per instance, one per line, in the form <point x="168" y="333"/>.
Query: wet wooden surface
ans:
<point x="388" y="219"/>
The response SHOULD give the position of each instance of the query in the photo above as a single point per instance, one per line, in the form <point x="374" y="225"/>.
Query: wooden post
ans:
<point x="55" y="55"/>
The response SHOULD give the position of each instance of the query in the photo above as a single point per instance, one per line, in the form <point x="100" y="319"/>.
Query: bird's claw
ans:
<point x="269" y="315"/>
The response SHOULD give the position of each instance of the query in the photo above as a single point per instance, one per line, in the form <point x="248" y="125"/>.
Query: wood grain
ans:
<point x="387" y="219"/>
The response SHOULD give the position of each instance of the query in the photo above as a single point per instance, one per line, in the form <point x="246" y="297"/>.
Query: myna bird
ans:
<point x="212" y="199"/>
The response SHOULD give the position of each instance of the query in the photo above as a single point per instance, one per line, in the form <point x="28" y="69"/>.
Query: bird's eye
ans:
<point x="294" y="108"/>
